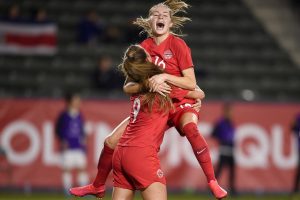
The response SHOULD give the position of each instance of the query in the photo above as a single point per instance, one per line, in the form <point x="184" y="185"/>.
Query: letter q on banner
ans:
<point x="27" y="129"/>
<point x="258" y="153"/>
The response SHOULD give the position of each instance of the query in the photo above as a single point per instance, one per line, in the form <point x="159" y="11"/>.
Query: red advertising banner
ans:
<point x="266" y="151"/>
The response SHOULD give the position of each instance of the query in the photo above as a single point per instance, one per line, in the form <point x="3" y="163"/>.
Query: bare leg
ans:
<point x="220" y="166"/>
<point x="122" y="194"/>
<point x="82" y="177"/>
<point x="232" y="174"/>
<point x="113" y="138"/>
<point x="67" y="180"/>
<point x="156" y="191"/>
<point x="187" y="118"/>
<point x="297" y="177"/>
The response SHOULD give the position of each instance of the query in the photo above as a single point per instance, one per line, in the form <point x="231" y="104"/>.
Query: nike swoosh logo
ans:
<point x="199" y="152"/>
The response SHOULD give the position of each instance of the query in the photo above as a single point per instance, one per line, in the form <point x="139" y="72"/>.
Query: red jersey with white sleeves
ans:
<point x="145" y="128"/>
<point x="172" y="55"/>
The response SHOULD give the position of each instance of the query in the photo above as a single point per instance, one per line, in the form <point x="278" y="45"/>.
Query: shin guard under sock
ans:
<point x="104" y="166"/>
<point x="200" y="149"/>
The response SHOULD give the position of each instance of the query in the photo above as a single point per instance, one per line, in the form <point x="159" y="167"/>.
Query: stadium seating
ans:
<point x="231" y="51"/>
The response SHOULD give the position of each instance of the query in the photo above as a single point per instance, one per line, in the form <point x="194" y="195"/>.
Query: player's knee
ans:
<point x="190" y="130"/>
<point x="187" y="130"/>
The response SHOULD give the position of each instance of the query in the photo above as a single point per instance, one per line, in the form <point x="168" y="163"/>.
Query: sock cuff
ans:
<point x="189" y="126"/>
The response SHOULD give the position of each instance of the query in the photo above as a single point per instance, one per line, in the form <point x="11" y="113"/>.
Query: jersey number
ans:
<point x="136" y="108"/>
<point x="161" y="63"/>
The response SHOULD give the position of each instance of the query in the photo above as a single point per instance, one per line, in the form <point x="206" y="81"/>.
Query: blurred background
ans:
<point x="246" y="52"/>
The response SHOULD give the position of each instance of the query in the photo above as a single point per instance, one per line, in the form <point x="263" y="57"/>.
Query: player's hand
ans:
<point x="156" y="81"/>
<point x="162" y="89"/>
<point x="197" y="105"/>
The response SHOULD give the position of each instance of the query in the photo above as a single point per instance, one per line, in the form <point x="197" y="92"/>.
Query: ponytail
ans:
<point x="136" y="66"/>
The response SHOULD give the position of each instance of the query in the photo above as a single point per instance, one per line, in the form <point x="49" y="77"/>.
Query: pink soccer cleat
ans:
<point x="217" y="190"/>
<point x="98" y="192"/>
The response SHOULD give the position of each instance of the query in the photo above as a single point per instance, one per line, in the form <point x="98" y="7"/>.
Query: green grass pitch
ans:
<point x="51" y="196"/>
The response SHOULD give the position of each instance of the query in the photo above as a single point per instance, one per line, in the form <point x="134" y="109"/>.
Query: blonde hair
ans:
<point x="175" y="7"/>
<point x="136" y="67"/>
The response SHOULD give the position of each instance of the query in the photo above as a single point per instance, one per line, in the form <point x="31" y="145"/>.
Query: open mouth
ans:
<point x="160" y="26"/>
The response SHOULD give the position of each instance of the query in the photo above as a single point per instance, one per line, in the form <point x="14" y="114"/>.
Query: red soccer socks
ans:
<point x="200" y="149"/>
<point x="104" y="166"/>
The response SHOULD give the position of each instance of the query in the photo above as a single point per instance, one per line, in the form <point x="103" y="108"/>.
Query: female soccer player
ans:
<point x="135" y="161"/>
<point x="171" y="54"/>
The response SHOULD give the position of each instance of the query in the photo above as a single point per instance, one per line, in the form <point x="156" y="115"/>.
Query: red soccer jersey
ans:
<point x="147" y="128"/>
<point x="144" y="128"/>
<point x="172" y="55"/>
<point x="178" y="94"/>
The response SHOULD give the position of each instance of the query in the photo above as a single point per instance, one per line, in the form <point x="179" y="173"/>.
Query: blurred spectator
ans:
<point x="70" y="131"/>
<point x="39" y="16"/>
<point x="296" y="130"/>
<point x="90" y="29"/>
<point x="107" y="76"/>
<point x="13" y="14"/>
<point x="113" y="35"/>
<point x="224" y="132"/>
